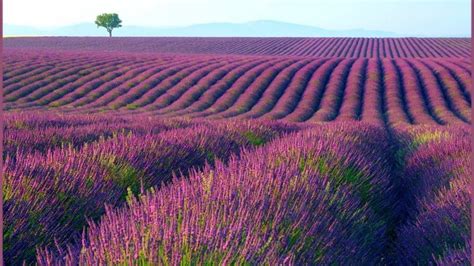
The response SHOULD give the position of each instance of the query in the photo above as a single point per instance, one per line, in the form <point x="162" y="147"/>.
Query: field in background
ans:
<point x="314" y="47"/>
<point x="166" y="151"/>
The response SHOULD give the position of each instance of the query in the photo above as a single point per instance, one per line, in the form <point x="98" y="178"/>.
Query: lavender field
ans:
<point x="241" y="151"/>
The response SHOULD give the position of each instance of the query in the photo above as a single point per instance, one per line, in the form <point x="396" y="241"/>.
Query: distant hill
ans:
<point x="263" y="28"/>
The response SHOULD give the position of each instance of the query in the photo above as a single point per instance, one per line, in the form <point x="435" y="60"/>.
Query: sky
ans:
<point x="408" y="17"/>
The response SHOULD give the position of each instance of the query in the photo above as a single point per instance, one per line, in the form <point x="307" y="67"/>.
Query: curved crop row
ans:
<point x="181" y="98"/>
<point x="397" y="108"/>
<point x="292" y="95"/>
<point x="86" y="94"/>
<point x="383" y="91"/>
<point x="373" y="110"/>
<point x="223" y="100"/>
<point x="206" y="98"/>
<point x="24" y="86"/>
<point x="144" y="86"/>
<point x="312" y="95"/>
<point x="284" y="82"/>
<point x="351" y="105"/>
<point x="253" y="92"/>
<point x="332" y="96"/>
<point x="159" y="88"/>
<point x="437" y="95"/>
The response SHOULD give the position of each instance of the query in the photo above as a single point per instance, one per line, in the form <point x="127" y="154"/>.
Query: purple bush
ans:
<point x="250" y="211"/>
<point x="437" y="173"/>
<point x="49" y="196"/>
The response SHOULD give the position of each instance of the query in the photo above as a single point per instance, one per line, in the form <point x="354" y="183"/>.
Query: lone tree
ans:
<point x="108" y="21"/>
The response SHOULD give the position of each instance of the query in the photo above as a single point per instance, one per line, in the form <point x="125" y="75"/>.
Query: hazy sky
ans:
<point x="412" y="17"/>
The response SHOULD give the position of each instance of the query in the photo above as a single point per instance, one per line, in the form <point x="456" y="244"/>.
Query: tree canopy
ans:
<point x="109" y="21"/>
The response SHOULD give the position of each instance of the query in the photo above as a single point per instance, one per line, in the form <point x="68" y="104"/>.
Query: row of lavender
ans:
<point x="293" y="201"/>
<point x="437" y="177"/>
<point x="409" y="91"/>
<point x="60" y="170"/>
<point x="324" y="195"/>
<point x="319" y="47"/>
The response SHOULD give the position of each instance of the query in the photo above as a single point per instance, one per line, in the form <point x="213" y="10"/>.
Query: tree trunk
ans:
<point x="110" y="33"/>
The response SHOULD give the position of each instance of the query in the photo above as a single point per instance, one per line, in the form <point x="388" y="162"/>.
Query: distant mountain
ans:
<point x="263" y="28"/>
